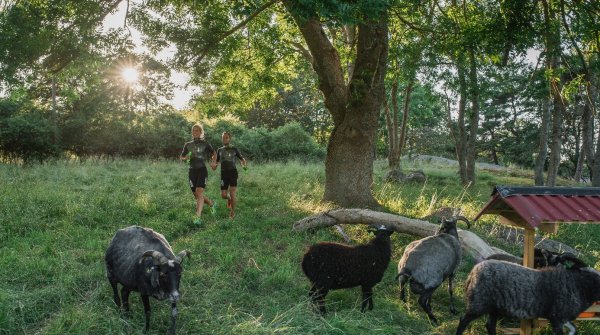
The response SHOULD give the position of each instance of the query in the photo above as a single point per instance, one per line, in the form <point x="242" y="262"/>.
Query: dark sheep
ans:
<point x="427" y="262"/>
<point x="504" y="289"/>
<point x="544" y="258"/>
<point x="332" y="266"/>
<point x="141" y="260"/>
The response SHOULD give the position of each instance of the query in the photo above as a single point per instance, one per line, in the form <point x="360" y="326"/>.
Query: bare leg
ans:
<point x="233" y="201"/>
<point x="199" y="194"/>
<point x="226" y="196"/>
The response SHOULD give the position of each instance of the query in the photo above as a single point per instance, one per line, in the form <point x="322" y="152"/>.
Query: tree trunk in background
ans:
<point x="354" y="107"/>
<point x="473" y="118"/>
<point x="405" y="110"/>
<point x="542" y="154"/>
<point x="596" y="167"/>
<point x="557" y="132"/>
<point x="461" y="143"/>
<point x="392" y="126"/>
<point x="553" y="54"/>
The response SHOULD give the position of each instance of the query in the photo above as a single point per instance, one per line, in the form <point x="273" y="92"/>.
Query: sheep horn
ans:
<point x="181" y="255"/>
<point x="577" y="263"/>
<point x="156" y="255"/>
<point x="460" y="217"/>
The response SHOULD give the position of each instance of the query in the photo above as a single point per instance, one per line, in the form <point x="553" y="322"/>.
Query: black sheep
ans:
<point x="141" y="260"/>
<point x="332" y="266"/>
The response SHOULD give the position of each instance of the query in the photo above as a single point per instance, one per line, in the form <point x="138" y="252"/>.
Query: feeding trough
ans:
<point x="544" y="208"/>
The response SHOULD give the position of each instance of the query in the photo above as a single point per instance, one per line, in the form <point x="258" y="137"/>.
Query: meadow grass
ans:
<point x="244" y="276"/>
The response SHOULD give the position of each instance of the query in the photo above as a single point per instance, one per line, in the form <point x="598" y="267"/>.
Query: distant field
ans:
<point x="244" y="276"/>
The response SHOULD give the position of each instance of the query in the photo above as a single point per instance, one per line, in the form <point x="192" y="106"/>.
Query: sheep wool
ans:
<point x="499" y="288"/>
<point x="331" y="266"/>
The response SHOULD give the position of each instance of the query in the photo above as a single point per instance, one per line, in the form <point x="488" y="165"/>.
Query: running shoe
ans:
<point x="197" y="221"/>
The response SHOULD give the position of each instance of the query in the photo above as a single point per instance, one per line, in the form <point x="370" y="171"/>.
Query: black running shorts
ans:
<point x="198" y="178"/>
<point x="229" y="178"/>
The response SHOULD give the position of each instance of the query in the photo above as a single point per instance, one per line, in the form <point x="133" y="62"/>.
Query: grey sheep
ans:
<point x="504" y="289"/>
<point x="427" y="262"/>
<point x="141" y="260"/>
<point x="331" y="266"/>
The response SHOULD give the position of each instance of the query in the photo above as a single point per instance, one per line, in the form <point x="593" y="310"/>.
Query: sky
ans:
<point x="182" y="94"/>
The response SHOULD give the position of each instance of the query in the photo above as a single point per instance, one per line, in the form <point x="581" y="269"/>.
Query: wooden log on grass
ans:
<point x="472" y="244"/>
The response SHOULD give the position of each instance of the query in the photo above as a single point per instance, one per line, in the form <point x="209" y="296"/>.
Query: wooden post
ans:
<point x="529" y="242"/>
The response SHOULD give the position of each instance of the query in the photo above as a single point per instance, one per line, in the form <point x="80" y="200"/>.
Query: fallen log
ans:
<point x="472" y="244"/>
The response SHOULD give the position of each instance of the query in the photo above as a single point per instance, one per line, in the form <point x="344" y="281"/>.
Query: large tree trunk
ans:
<point x="540" y="160"/>
<point x="354" y="108"/>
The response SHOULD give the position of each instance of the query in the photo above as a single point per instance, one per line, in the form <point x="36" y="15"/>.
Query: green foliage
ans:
<point x="289" y="142"/>
<point x="26" y="135"/>
<point x="244" y="276"/>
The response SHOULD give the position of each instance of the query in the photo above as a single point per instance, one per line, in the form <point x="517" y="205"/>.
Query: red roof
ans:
<point x="535" y="205"/>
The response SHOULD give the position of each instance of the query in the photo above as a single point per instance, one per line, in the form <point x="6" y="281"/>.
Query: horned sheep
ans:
<point x="504" y="289"/>
<point x="142" y="260"/>
<point x="427" y="262"/>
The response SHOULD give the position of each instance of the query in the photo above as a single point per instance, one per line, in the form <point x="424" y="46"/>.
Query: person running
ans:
<point x="227" y="155"/>
<point x="196" y="152"/>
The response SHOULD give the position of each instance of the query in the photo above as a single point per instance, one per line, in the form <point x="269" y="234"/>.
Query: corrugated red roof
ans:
<point x="546" y="204"/>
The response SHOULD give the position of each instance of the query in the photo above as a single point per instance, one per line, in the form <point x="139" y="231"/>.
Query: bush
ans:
<point x="27" y="136"/>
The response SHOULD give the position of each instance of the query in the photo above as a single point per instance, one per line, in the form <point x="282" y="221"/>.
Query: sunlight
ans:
<point x="130" y="75"/>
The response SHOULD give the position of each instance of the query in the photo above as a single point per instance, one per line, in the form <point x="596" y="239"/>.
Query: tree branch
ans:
<point x="237" y="27"/>
<point x="471" y="243"/>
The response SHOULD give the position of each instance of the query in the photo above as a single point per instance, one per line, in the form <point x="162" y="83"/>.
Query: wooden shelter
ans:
<point x="543" y="208"/>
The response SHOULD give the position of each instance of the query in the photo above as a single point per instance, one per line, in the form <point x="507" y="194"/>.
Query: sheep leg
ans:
<point x="425" y="302"/>
<point x="115" y="293"/>
<point x="367" y="296"/>
<point x="173" y="317"/>
<point x="125" y="297"/>
<point x="146" y="301"/>
<point x="318" y="298"/>
<point x="464" y="322"/>
<point x="557" y="327"/>
<point x="402" y="280"/>
<point x="491" y="324"/>
<point x="452" y="308"/>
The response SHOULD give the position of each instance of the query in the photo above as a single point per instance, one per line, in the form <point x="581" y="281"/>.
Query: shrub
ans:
<point x="27" y="136"/>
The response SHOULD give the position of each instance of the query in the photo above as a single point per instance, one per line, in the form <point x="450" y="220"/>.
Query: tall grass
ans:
<point x="244" y="276"/>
